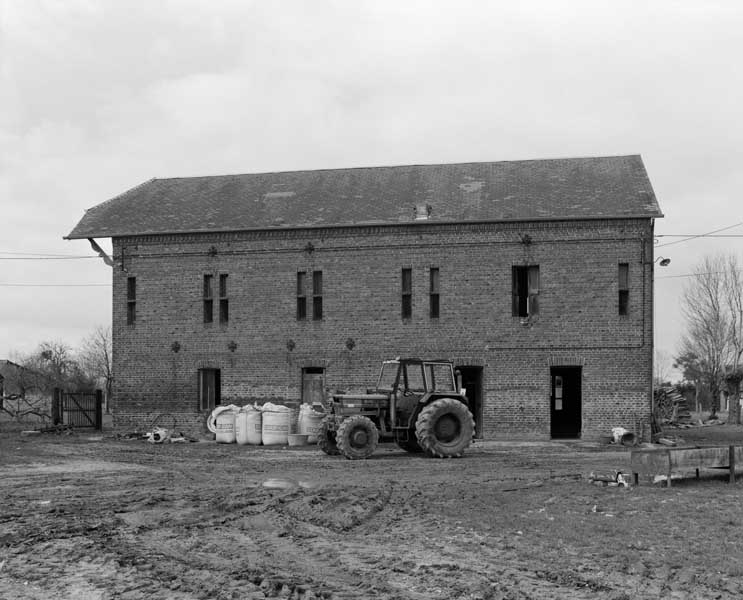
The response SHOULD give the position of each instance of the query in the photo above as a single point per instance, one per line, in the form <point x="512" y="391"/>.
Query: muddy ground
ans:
<point x="89" y="517"/>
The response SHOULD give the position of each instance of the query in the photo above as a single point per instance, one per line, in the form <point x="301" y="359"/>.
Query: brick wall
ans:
<point x="578" y="322"/>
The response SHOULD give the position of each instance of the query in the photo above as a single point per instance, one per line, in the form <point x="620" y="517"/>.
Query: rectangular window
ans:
<point x="209" y="388"/>
<point x="434" y="294"/>
<point x="413" y="379"/>
<point x="131" y="300"/>
<point x="301" y="296"/>
<point x="525" y="288"/>
<point x="208" y="299"/>
<point x="407" y="293"/>
<point x="317" y="295"/>
<point x="440" y="377"/>
<point x="623" y="288"/>
<point x="224" y="304"/>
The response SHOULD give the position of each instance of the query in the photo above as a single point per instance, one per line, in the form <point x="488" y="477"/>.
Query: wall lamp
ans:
<point x="664" y="262"/>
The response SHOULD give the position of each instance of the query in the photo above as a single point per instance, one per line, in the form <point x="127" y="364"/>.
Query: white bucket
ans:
<point x="275" y="427"/>
<point x="225" y="427"/>
<point x="310" y="423"/>
<point x="248" y="426"/>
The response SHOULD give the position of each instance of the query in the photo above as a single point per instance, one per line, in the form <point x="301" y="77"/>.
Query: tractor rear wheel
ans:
<point x="445" y="427"/>
<point x="326" y="438"/>
<point x="357" y="437"/>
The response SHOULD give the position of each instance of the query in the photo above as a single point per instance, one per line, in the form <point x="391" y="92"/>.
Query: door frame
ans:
<point x="570" y="427"/>
<point x="474" y="374"/>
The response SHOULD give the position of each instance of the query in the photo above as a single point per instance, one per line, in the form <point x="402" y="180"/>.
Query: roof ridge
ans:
<point x="395" y="166"/>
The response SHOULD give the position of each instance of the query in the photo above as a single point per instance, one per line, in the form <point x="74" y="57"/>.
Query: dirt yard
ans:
<point x="86" y="517"/>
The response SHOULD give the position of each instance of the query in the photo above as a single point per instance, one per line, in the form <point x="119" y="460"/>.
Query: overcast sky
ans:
<point x="98" y="96"/>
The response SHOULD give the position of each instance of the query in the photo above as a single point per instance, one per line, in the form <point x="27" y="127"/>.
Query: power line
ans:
<point x="54" y="284"/>
<point x="692" y="237"/>
<point x="44" y="257"/>
<point x="694" y="274"/>
<point x="706" y="235"/>
<point x="36" y="254"/>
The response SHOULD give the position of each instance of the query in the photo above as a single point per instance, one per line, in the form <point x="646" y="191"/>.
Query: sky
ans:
<point x="99" y="96"/>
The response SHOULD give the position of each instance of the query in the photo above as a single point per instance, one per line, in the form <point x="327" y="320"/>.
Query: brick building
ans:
<point x="534" y="277"/>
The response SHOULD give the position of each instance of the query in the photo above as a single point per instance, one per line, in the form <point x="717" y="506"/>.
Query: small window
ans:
<point x="407" y="293"/>
<point x="301" y="296"/>
<point x="209" y="388"/>
<point x="208" y="299"/>
<point x="434" y="294"/>
<point x="317" y="295"/>
<point x="131" y="300"/>
<point x="224" y="303"/>
<point x="558" y="392"/>
<point x="525" y="286"/>
<point x="623" y="288"/>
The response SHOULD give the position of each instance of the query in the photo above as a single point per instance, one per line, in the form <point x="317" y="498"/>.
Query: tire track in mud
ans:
<point x="196" y="522"/>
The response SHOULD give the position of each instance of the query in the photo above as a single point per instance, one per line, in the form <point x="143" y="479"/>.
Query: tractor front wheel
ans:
<point x="357" y="437"/>
<point x="444" y="428"/>
<point x="326" y="438"/>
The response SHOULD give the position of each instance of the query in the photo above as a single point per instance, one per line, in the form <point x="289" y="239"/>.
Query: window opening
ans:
<point x="224" y="303"/>
<point x="301" y="296"/>
<point x="317" y="295"/>
<point x="525" y="290"/>
<point x="407" y="293"/>
<point x="434" y="294"/>
<point x="131" y="300"/>
<point x="208" y="299"/>
<point x="623" y="288"/>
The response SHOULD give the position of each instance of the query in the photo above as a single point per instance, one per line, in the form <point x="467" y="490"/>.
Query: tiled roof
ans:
<point x="572" y="188"/>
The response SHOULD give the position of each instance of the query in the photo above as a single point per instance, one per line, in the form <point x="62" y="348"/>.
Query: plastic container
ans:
<point x="248" y="426"/>
<point x="275" y="426"/>
<point x="310" y="423"/>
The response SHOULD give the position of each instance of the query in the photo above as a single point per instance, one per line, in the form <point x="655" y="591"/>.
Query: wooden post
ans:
<point x="668" y="481"/>
<point x="56" y="406"/>
<point x="731" y="458"/>
<point x="99" y="410"/>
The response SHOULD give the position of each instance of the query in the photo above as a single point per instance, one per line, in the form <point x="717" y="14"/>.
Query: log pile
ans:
<point x="670" y="406"/>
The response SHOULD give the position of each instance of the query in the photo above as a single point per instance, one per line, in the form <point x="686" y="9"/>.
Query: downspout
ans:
<point x="652" y="326"/>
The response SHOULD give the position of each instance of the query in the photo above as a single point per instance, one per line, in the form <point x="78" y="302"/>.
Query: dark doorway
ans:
<point x="210" y="388"/>
<point x="313" y="386"/>
<point x="472" y="382"/>
<point x="565" y="402"/>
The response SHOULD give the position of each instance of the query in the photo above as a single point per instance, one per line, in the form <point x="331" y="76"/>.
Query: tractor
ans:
<point x="417" y="403"/>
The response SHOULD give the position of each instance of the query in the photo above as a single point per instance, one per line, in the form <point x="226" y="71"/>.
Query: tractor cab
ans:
<point x="411" y="383"/>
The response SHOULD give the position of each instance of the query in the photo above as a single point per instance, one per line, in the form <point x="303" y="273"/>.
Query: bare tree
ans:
<point x="708" y="325"/>
<point x="23" y="392"/>
<point x="95" y="358"/>
<point x="733" y="297"/>
<point x="55" y="364"/>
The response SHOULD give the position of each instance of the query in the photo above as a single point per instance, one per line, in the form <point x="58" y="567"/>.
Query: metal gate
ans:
<point x="81" y="409"/>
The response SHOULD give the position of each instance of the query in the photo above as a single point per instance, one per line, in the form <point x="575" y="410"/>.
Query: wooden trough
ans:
<point x="665" y="461"/>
